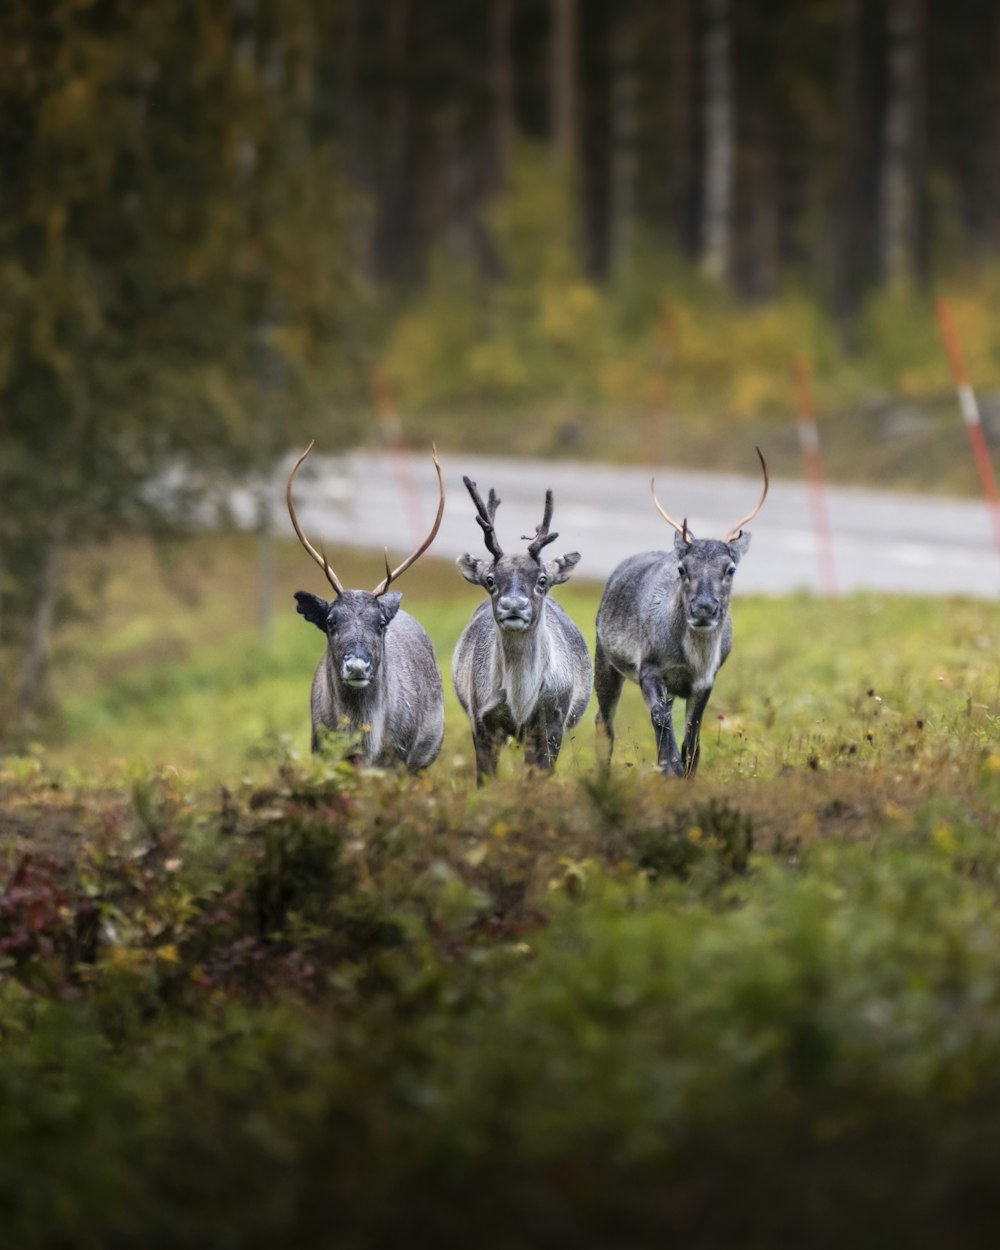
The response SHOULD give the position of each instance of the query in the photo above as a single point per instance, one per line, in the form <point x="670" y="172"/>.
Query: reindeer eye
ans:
<point x="542" y="582"/>
<point x="731" y="570"/>
<point x="682" y="570"/>
<point x="491" y="581"/>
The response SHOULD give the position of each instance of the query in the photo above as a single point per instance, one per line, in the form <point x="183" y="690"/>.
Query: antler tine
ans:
<point x="542" y="536"/>
<point x="683" y="530"/>
<point x="384" y="585"/>
<point x="738" y="527"/>
<point x="321" y="560"/>
<point x="486" y="514"/>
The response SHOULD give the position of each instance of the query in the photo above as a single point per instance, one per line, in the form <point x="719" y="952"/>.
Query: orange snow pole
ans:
<point x="970" y="413"/>
<point x="809" y="443"/>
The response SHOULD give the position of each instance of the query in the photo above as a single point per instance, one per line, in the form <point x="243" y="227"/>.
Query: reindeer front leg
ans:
<point x="661" y="707"/>
<point x="691" y="747"/>
<point x="544" y="736"/>
<point x="488" y="736"/>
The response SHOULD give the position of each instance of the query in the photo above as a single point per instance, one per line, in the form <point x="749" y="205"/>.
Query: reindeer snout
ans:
<point x="704" y="610"/>
<point x="514" y="611"/>
<point x="356" y="670"/>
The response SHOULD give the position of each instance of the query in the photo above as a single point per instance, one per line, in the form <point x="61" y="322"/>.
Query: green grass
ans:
<point x="323" y="1007"/>
<point x="170" y="670"/>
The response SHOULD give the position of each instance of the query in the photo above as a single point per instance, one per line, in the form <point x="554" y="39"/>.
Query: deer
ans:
<point x="521" y="668"/>
<point x="378" y="678"/>
<point x="663" y="622"/>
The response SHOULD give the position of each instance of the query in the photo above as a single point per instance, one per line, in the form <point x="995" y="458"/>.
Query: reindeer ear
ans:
<point x="388" y="605"/>
<point x="472" y="570"/>
<point x="738" y="545"/>
<point x="313" y="608"/>
<point x="681" y="544"/>
<point x="561" y="568"/>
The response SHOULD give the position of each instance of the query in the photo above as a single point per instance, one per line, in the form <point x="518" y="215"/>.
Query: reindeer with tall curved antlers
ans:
<point x="521" y="668"/>
<point x="664" y="623"/>
<point x="379" y="677"/>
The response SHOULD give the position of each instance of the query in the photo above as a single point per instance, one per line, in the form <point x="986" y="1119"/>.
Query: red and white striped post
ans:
<point x="392" y="435"/>
<point x="970" y="413"/>
<point x="809" y="443"/>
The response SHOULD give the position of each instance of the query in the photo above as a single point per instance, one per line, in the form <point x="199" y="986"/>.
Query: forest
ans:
<point x="523" y="224"/>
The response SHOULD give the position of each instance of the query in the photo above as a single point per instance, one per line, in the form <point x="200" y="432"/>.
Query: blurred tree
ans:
<point x="173" y="272"/>
<point x="903" y="144"/>
<point x="717" y="202"/>
<point x="563" y="83"/>
<point x="503" y="85"/>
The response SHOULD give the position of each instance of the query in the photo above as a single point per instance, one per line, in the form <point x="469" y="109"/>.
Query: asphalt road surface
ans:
<point x="881" y="541"/>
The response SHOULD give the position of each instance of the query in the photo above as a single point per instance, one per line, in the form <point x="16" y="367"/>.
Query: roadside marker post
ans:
<point x="970" y="414"/>
<point x="809" y="443"/>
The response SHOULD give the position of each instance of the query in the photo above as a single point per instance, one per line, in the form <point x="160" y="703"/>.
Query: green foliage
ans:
<point x="440" y="1010"/>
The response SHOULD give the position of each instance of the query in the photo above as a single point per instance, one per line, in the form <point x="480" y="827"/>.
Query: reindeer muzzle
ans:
<point x="356" y="671"/>
<point x="513" y="613"/>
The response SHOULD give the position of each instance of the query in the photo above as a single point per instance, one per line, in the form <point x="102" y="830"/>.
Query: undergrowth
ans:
<point x="549" y="1010"/>
<point x="271" y="1000"/>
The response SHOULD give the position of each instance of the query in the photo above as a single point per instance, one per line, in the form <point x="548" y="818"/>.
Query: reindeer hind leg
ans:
<point x="608" y="684"/>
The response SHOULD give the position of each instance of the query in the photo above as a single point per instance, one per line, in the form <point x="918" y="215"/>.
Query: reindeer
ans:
<point x="664" y="623"/>
<point x="379" y="677"/>
<point x="526" y="673"/>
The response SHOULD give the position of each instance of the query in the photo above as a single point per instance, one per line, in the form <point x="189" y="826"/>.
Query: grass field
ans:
<point x="168" y="668"/>
<point x="251" y="999"/>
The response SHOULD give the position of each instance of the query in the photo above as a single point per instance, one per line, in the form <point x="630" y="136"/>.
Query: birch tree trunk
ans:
<point x="36" y="649"/>
<point x="683" y="154"/>
<point x="903" y="144"/>
<point x="624" y="154"/>
<point x="392" y="208"/>
<point x="502" y="80"/>
<point x="717" y="201"/>
<point x="849" y="246"/>
<point x="562" y="80"/>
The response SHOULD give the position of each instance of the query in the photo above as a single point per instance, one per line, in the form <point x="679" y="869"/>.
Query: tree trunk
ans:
<point x="983" y="195"/>
<point x="762" y="261"/>
<point x="394" y="212"/>
<point x="562" y="80"/>
<point x="624" y="152"/>
<point x="902" y="163"/>
<point x="36" y="649"/>
<point x="502" y="80"/>
<point x="352" y="128"/>
<point x="851" y="241"/>
<point x="717" y="201"/>
<point x="682" y="157"/>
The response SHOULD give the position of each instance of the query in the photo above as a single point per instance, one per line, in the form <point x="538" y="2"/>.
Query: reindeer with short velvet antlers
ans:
<point x="379" y="677"/>
<point x="521" y="668"/>
<point x="664" y="623"/>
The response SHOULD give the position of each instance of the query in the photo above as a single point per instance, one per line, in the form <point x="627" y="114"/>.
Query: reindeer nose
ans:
<point x="705" y="609"/>
<point x="356" y="668"/>
<point x="513" y="605"/>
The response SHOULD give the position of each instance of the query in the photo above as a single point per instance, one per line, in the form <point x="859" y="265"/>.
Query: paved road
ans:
<point x="881" y="541"/>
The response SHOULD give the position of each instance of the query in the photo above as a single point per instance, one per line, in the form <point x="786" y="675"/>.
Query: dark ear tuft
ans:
<point x="313" y="608"/>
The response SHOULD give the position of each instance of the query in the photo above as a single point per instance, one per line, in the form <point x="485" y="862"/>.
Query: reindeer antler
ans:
<point x="542" y="536"/>
<point x="683" y="530"/>
<point x="321" y="560"/>
<point x="738" y="527"/>
<point x="485" y="516"/>
<point x="390" y="577"/>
